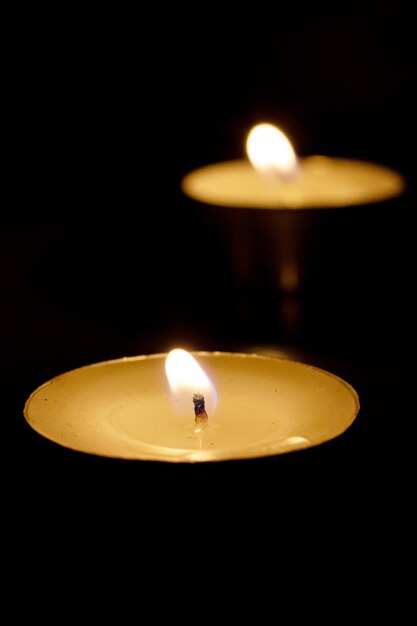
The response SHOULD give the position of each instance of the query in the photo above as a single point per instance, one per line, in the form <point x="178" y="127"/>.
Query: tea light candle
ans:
<point x="278" y="203"/>
<point x="256" y="406"/>
<point x="273" y="177"/>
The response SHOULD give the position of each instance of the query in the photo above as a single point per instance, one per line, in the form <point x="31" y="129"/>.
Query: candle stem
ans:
<point x="201" y="417"/>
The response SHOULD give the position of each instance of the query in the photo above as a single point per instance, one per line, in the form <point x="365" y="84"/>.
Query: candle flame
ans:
<point x="270" y="152"/>
<point x="186" y="378"/>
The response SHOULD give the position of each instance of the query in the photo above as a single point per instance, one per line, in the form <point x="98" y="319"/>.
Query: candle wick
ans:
<point x="201" y="417"/>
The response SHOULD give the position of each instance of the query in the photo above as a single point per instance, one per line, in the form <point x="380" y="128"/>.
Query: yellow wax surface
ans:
<point x="322" y="182"/>
<point x="122" y="408"/>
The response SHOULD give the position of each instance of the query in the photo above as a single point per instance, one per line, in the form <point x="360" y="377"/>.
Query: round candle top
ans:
<point x="273" y="178"/>
<point x="125" y="408"/>
<point x="322" y="183"/>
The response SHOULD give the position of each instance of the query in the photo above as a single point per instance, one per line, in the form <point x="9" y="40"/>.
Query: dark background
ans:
<point x="103" y="256"/>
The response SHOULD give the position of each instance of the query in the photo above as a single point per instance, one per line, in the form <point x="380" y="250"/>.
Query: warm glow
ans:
<point x="270" y="152"/>
<point x="186" y="377"/>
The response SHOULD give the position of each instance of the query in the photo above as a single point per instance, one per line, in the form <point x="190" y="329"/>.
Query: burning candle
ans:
<point x="276" y="198"/>
<point x="273" y="177"/>
<point x="189" y="407"/>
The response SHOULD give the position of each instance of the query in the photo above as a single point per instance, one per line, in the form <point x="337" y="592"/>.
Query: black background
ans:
<point x="103" y="256"/>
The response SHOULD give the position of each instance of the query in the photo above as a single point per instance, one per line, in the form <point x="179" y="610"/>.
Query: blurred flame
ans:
<point x="270" y="152"/>
<point x="185" y="378"/>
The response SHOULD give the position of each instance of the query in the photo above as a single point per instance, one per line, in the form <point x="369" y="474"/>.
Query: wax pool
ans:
<point x="123" y="409"/>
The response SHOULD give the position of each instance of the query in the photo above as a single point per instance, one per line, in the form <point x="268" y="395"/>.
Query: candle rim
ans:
<point x="196" y="353"/>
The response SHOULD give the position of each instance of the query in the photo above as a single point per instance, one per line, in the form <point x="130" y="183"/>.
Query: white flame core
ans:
<point x="186" y="377"/>
<point x="270" y="152"/>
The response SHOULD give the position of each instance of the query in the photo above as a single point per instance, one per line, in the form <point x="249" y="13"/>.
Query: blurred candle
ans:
<point x="274" y="178"/>
<point x="142" y="407"/>
<point x="275" y="207"/>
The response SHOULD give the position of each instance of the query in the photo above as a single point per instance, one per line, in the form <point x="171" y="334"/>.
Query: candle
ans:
<point x="143" y="407"/>
<point x="274" y="178"/>
<point x="281" y="207"/>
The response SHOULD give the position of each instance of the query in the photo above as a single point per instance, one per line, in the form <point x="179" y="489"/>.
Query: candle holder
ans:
<point x="272" y="225"/>
<point x="267" y="249"/>
<point x="297" y="232"/>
